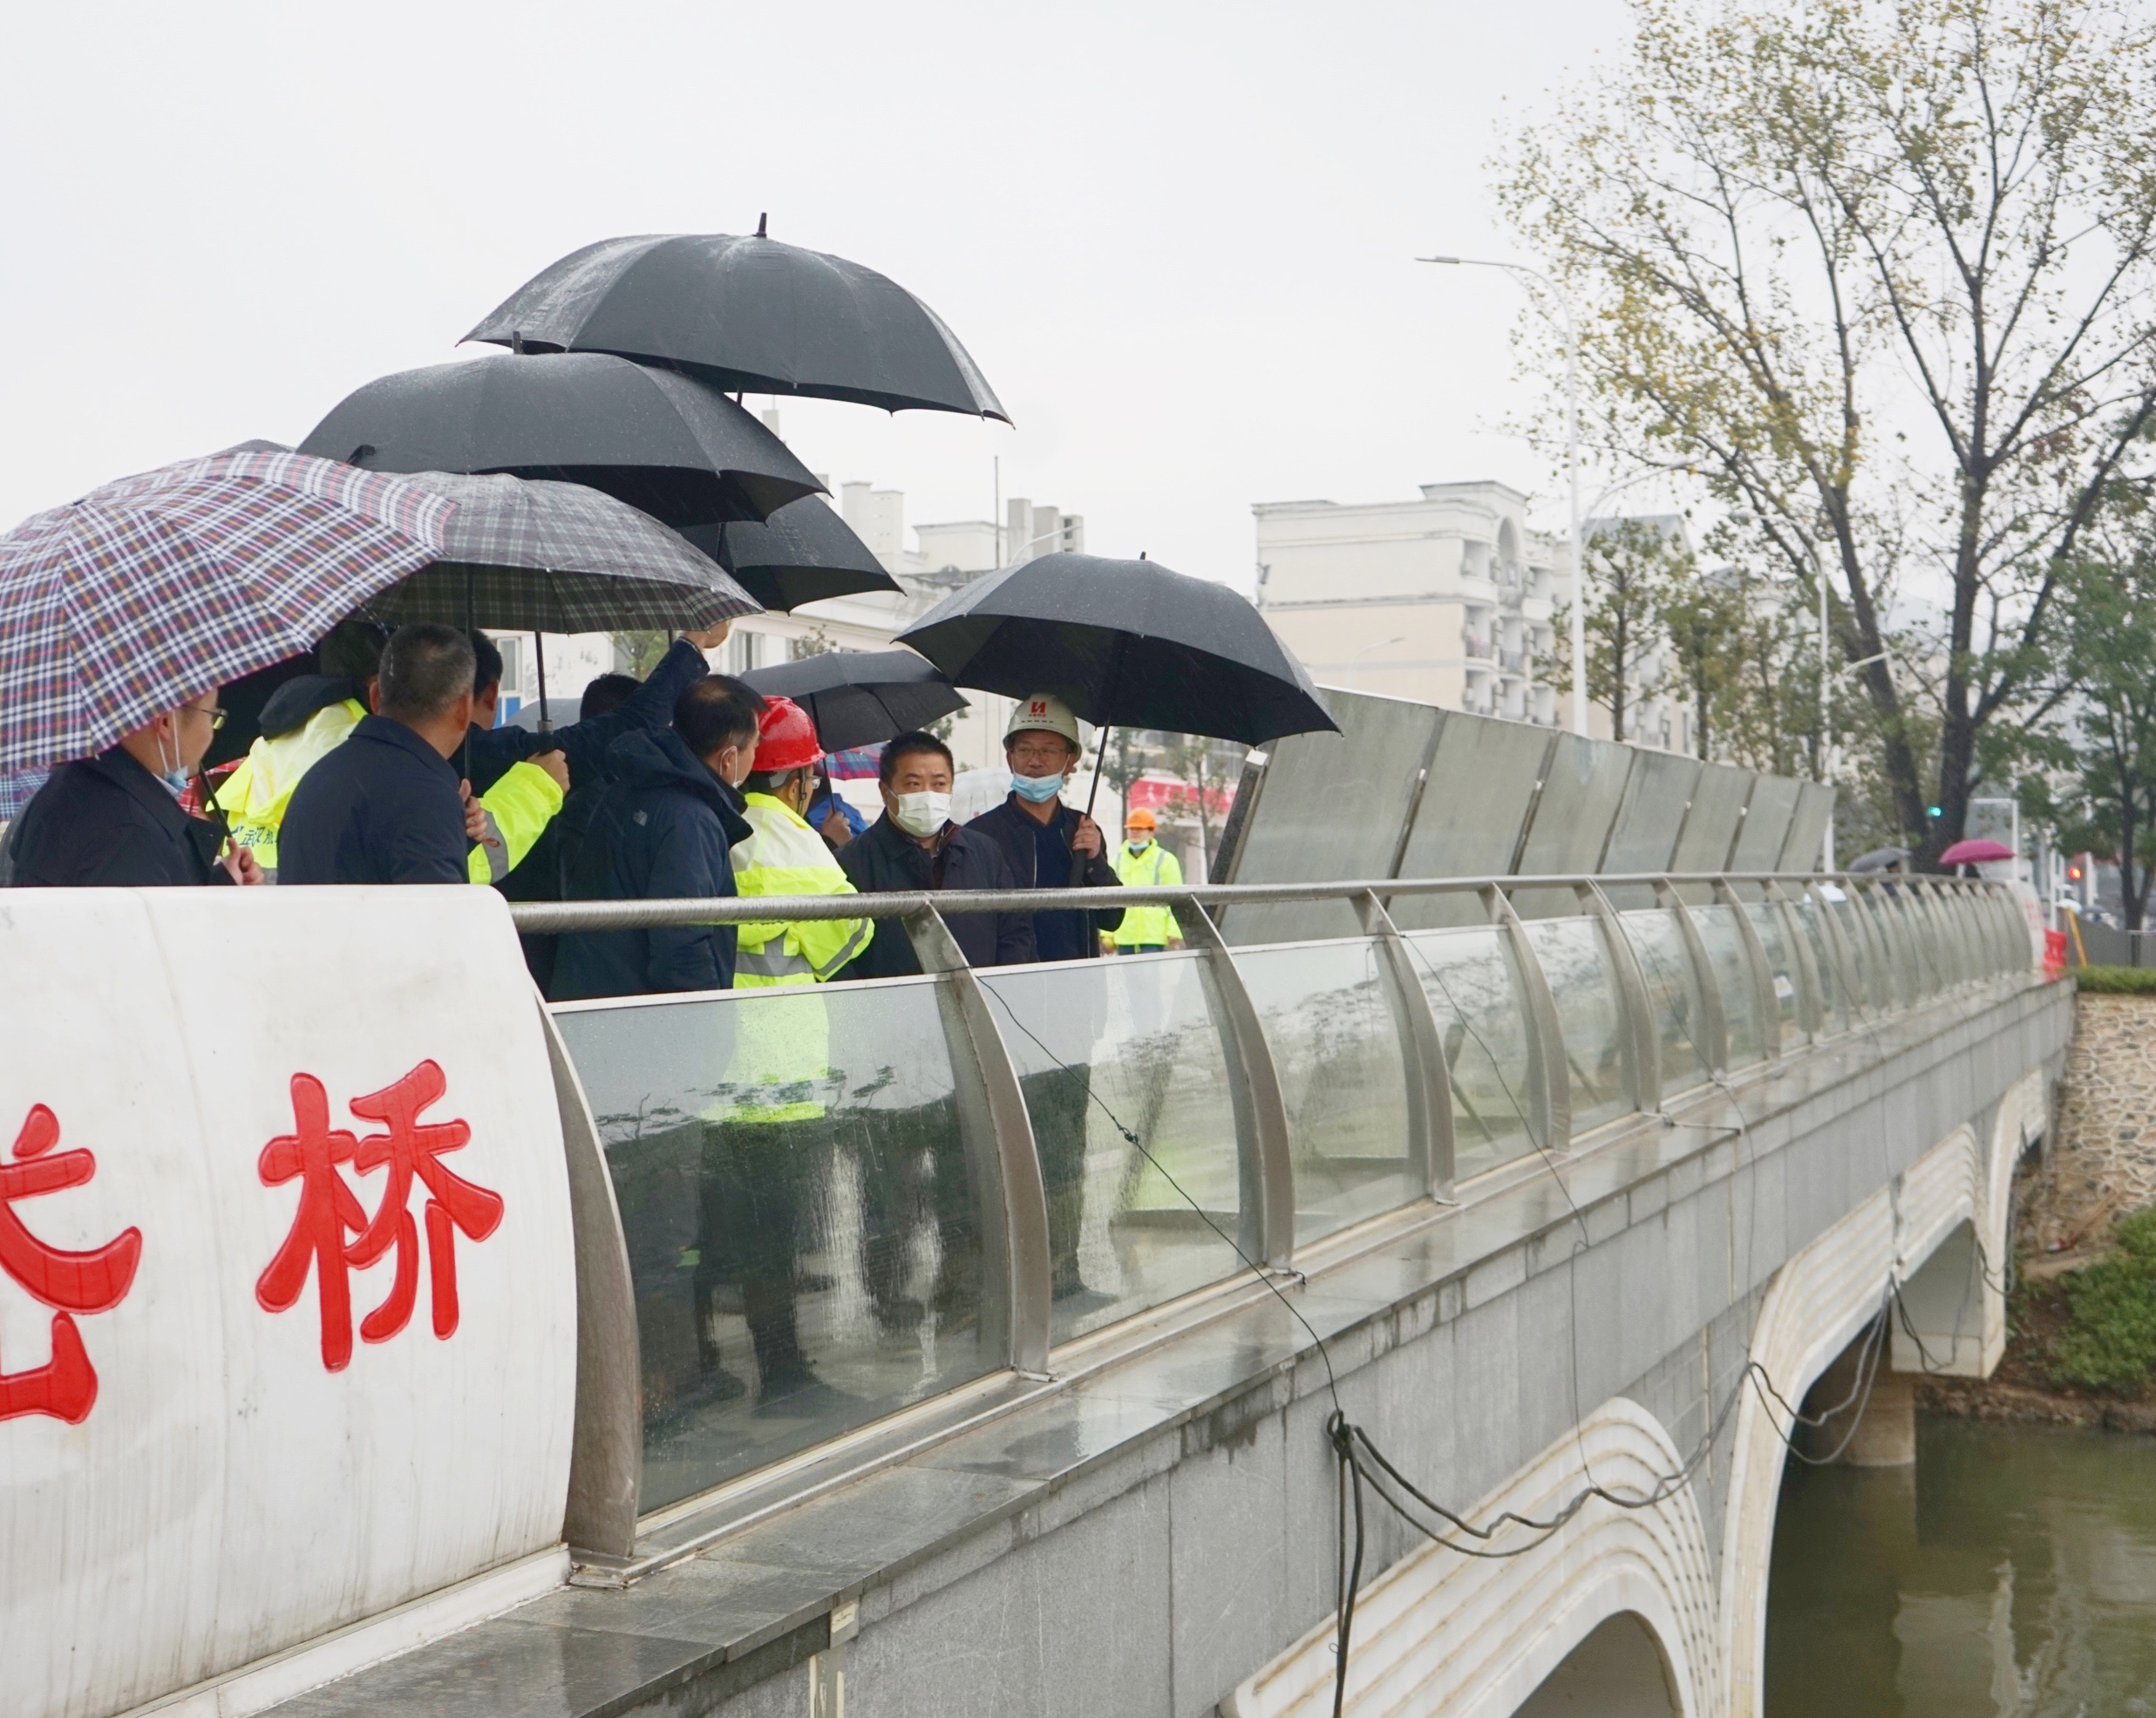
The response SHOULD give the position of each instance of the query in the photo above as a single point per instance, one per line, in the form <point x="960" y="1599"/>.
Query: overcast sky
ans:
<point x="1178" y="238"/>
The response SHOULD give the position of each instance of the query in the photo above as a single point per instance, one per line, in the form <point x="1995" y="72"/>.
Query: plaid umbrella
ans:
<point x="151" y="590"/>
<point x="529" y="554"/>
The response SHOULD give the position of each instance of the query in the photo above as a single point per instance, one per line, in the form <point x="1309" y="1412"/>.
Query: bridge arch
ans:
<point x="1485" y="1637"/>
<point x="1957" y="1192"/>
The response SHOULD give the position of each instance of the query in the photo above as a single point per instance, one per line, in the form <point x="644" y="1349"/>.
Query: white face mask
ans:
<point x="1139" y="843"/>
<point x="920" y="814"/>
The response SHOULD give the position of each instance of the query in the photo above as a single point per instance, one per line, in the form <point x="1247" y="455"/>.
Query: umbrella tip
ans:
<point x="360" y="454"/>
<point x="1141" y="554"/>
<point x="516" y="341"/>
<point x="761" y="220"/>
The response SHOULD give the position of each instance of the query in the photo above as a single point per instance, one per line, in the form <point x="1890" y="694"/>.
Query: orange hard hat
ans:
<point x="1140" y="820"/>
<point x="786" y="738"/>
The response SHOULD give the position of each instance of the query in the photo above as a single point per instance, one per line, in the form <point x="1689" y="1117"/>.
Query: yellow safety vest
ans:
<point x="1155" y="868"/>
<point x="255" y="796"/>
<point x="780" y="1062"/>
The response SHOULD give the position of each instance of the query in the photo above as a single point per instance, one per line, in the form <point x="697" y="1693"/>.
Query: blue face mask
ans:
<point x="1037" y="789"/>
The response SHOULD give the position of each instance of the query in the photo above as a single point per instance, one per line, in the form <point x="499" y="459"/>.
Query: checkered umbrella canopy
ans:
<point x="151" y="590"/>
<point x="530" y="554"/>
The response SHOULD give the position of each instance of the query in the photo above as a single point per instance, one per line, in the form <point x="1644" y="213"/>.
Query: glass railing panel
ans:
<point x="1472" y="977"/>
<point x="1935" y="935"/>
<point x="1336" y="1049"/>
<point x="1741" y="1024"/>
<point x="1888" y="903"/>
<point x="1781" y="965"/>
<point x="1672" y="993"/>
<point x="801" y="1213"/>
<point x="1104" y="1045"/>
<point x="1834" y="1003"/>
<point x="1877" y="970"/>
<point x="1584" y="987"/>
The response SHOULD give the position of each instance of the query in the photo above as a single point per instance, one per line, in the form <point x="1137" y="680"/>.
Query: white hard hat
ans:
<point x="1046" y="713"/>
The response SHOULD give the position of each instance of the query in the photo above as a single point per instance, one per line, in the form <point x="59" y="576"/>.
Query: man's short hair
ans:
<point x="716" y="712"/>
<point x="606" y="695"/>
<point x="908" y="745"/>
<point x="485" y="662"/>
<point x="353" y="648"/>
<point x="425" y="669"/>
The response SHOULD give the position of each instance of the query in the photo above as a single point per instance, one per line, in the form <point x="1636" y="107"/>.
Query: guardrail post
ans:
<point x="1429" y="1081"/>
<point x="1862" y="1002"/>
<point x="1017" y="1244"/>
<point x="1812" y="1012"/>
<point x="1902" y="964"/>
<point x="1642" y="1039"/>
<point x="1766" y="1006"/>
<point x="606" y="1446"/>
<point x="1551" y="1094"/>
<point x="1253" y="1087"/>
<point x="1715" y="1051"/>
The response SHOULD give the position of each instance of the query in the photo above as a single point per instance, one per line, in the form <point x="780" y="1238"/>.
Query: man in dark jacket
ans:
<point x="914" y="846"/>
<point x="115" y="821"/>
<point x="1051" y="845"/>
<point x="586" y="742"/>
<point x="386" y="807"/>
<point x="666" y="829"/>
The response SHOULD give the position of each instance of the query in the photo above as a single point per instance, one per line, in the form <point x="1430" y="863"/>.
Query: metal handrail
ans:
<point x="544" y="918"/>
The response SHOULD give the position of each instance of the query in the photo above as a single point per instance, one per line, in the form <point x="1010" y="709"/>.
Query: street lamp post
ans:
<point x="1572" y="464"/>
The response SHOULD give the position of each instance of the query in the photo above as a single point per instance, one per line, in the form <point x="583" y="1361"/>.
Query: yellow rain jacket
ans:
<point x="256" y="796"/>
<point x="1155" y="868"/>
<point x="781" y="1058"/>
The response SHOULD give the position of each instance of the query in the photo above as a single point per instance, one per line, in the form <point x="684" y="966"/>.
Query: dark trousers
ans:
<point x="1058" y="1102"/>
<point x="752" y="1200"/>
<point x="913" y="1173"/>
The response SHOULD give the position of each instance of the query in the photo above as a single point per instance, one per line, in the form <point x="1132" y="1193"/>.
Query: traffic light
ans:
<point x="1931" y="811"/>
<point x="2073" y="874"/>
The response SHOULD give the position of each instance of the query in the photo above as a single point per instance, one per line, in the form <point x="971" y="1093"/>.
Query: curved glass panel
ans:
<point x="1577" y="968"/>
<point x="801" y="1213"/>
<point x="1879" y="978"/>
<point x="1672" y="993"/>
<point x="1812" y="925"/>
<point x="1731" y="968"/>
<point x="1781" y="965"/>
<point x="1132" y="1042"/>
<point x="1336" y="1049"/>
<point x="1472" y="977"/>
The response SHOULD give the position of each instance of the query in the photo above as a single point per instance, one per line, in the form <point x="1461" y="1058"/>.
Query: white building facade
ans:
<point x="1446" y="599"/>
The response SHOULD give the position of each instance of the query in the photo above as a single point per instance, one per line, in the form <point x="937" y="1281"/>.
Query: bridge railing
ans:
<point x="835" y="1203"/>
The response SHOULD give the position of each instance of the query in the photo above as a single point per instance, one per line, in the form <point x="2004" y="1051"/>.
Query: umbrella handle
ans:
<point x="1092" y="796"/>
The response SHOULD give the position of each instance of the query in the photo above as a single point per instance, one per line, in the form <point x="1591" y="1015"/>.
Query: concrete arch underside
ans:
<point x="1477" y="1637"/>
<point x="1821" y="1298"/>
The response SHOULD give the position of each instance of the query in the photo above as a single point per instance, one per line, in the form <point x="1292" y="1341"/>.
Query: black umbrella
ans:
<point x="666" y="444"/>
<point x="749" y="314"/>
<point x="1880" y="857"/>
<point x="1126" y="643"/>
<point x="803" y="552"/>
<point x="857" y="697"/>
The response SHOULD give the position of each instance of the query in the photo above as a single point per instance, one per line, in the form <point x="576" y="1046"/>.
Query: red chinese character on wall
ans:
<point x="65" y="1386"/>
<point x="330" y="1211"/>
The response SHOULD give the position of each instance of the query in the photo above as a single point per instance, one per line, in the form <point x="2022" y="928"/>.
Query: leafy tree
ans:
<point x="1629" y="566"/>
<point x="1879" y="274"/>
<point x="2105" y="799"/>
<point x="637" y="653"/>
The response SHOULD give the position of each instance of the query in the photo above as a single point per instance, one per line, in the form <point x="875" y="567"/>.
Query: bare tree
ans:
<point x="1878" y="273"/>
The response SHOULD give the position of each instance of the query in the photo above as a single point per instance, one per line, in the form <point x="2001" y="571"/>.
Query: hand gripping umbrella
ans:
<point x="1124" y="643"/>
<point x="679" y="451"/>
<point x="858" y="697"/>
<point x="750" y="314"/>
<point x="803" y="552"/>
<point x="152" y="589"/>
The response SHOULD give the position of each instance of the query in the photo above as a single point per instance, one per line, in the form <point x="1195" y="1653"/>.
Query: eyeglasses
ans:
<point x="1041" y="754"/>
<point x="216" y="715"/>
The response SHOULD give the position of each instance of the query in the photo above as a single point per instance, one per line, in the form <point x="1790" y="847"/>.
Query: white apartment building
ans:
<point x="1446" y="599"/>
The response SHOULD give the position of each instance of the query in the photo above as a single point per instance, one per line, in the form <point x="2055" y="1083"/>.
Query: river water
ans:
<point x="2011" y="1571"/>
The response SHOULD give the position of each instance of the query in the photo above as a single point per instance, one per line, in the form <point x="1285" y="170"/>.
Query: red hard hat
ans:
<point x="786" y="738"/>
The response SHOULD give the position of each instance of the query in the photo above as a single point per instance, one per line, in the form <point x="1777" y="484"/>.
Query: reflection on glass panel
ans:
<point x="1337" y="1047"/>
<point x="1909" y="957"/>
<point x="1781" y="965"/>
<point x="1471" y="978"/>
<point x="1875" y="966"/>
<point x="1103" y="1045"/>
<point x="1833" y="1004"/>
<point x="1956" y="940"/>
<point x="800" y="1211"/>
<point x="1732" y="982"/>
<point x="1672" y="993"/>
<point x="1577" y="968"/>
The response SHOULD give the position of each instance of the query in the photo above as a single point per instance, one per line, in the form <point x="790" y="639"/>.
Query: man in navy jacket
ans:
<point x="665" y="830"/>
<point x="387" y="805"/>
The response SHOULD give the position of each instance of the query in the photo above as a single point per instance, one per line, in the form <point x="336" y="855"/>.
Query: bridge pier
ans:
<point x="1863" y="1412"/>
